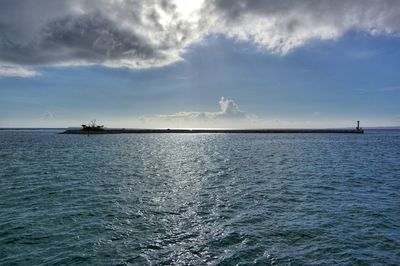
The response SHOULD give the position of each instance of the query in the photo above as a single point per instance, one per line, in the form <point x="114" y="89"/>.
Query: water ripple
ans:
<point x="230" y="199"/>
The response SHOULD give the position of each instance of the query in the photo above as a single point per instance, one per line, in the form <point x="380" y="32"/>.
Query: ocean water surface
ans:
<point x="196" y="199"/>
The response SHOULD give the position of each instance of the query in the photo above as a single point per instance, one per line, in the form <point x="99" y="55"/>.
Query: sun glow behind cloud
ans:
<point x="189" y="9"/>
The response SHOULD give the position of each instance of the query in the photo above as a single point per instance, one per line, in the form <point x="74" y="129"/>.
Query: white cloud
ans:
<point x="281" y="26"/>
<point x="151" y="33"/>
<point x="316" y="113"/>
<point x="16" y="71"/>
<point x="390" y="89"/>
<point x="48" y="116"/>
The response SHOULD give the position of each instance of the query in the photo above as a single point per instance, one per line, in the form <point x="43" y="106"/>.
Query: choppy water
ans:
<point x="196" y="199"/>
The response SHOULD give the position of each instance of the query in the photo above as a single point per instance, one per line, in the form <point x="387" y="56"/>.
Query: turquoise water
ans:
<point x="199" y="199"/>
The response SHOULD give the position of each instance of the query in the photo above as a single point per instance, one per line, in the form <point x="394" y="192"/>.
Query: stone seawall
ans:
<point x="191" y="131"/>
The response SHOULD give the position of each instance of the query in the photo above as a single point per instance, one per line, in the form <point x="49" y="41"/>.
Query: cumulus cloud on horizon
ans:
<point x="229" y="115"/>
<point x="153" y="33"/>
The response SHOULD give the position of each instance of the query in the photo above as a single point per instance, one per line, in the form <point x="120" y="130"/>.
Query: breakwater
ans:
<point x="191" y="131"/>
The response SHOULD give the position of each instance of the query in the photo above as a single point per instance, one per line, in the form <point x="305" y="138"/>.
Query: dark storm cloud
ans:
<point x="89" y="37"/>
<point x="113" y="33"/>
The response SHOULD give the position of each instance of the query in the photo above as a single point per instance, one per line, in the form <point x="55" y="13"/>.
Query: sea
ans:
<point x="199" y="199"/>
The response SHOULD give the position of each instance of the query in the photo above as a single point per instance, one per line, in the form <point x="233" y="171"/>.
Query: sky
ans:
<point x="216" y="63"/>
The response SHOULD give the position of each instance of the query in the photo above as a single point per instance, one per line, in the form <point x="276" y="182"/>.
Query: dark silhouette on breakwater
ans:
<point x="92" y="127"/>
<point x="357" y="130"/>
